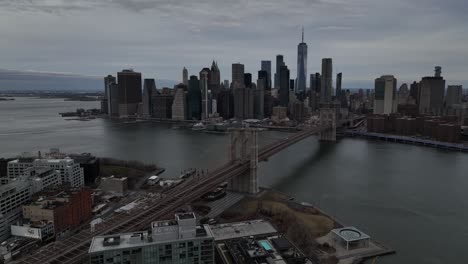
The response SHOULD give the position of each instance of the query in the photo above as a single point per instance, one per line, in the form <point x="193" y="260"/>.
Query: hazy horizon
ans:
<point x="365" y="38"/>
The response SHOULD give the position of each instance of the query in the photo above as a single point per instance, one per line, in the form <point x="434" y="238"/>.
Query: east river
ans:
<point x="412" y="198"/>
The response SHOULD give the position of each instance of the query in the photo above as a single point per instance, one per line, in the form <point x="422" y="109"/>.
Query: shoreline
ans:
<point x="455" y="147"/>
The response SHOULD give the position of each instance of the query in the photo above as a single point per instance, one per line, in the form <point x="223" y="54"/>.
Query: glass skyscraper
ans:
<point x="301" y="67"/>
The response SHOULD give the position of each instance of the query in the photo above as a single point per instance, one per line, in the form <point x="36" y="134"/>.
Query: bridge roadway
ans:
<point x="74" y="249"/>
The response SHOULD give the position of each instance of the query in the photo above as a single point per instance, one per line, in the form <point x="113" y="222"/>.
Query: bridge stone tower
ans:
<point x="244" y="148"/>
<point x="328" y="118"/>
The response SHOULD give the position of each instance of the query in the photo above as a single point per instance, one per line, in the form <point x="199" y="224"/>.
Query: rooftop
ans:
<point x="136" y="239"/>
<point x="241" y="229"/>
<point x="350" y="234"/>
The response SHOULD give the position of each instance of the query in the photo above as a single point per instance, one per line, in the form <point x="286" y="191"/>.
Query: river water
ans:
<point x="411" y="198"/>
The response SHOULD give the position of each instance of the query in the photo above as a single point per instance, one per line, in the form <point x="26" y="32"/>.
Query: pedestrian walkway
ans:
<point x="221" y="205"/>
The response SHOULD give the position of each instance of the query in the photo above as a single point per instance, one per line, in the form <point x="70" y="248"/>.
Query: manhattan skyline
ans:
<point x="365" y="38"/>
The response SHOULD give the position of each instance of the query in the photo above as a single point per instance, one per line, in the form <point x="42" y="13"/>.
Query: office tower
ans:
<point x="414" y="91"/>
<point x="194" y="99"/>
<point x="279" y="63"/>
<point x="403" y="94"/>
<point x="162" y="106"/>
<point x="149" y="89"/>
<point x="291" y="85"/>
<point x="185" y="76"/>
<point x="385" y="101"/>
<point x="204" y="93"/>
<point x="260" y="99"/>
<point x="326" y="81"/>
<point x="113" y="99"/>
<point x="438" y="71"/>
<point x="454" y="95"/>
<point x="339" y="77"/>
<point x="226" y="84"/>
<point x="314" y="92"/>
<point x="244" y="103"/>
<point x="179" y="107"/>
<point x="129" y="92"/>
<point x="266" y="66"/>
<point x="170" y="241"/>
<point x="431" y="93"/>
<point x="214" y="80"/>
<point x="301" y="67"/>
<point x="284" y="86"/>
<point x="248" y="80"/>
<point x="237" y="75"/>
<point x="108" y="80"/>
<point x="264" y="75"/>
<point x="225" y="104"/>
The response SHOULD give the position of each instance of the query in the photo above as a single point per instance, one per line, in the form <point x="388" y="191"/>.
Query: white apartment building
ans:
<point x="12" y="196"/>
<point x="70" y="172"/>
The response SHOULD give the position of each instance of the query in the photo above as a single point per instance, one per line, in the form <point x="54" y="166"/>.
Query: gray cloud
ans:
<point x="366" y="38"/>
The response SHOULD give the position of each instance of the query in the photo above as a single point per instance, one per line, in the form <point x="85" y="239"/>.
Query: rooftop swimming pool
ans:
<point x="266" y="245"/>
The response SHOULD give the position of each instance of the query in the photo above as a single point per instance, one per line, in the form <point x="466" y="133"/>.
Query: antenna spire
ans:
<point x="302" y="34"/>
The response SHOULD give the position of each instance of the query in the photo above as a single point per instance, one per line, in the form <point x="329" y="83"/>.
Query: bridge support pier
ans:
<point x="244" y="148"/>
<point x="328" y="116"/>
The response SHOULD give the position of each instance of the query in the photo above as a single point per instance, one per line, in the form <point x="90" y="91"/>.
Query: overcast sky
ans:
<point x="365" y="38"/>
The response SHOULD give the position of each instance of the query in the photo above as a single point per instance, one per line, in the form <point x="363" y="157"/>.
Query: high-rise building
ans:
<point x="454" y="95"/>
<point x="438" y="71"/>
<point x="149" y="89"/>
<point x="326" y="81"/>
<point x="176" y="241"/>
<point x="226" y="84"/>
<point x="162" y="106"/>
<point x="279" y="64"/>
<point x="339" y="77"/>
<point x="226" y="104"/>
<point x="414" y="92"/>
<point x="129" y="92"/>
<point x="284" y="86"/>
<point x="431" y="93"/>
<point x="385" y="101"/>
<point x="113" y="99"/>
<point x="215" y="79"/>
<point x="185" y="76"/>
<point x="243" y="102"/>
<point x="292" y="85"/>
<point x="301" y="67"/>
<point x="204" y="93"/>
<point x="237" y="75"/>
<point x="314" y="92"/>
<point x="248" y="80"/>
<point x="266" y="66"/>
<point x="260" y="99"/>
<point x="179" y="107"/>
<point x="194" y="99"/>
<point x="107" y="91"/>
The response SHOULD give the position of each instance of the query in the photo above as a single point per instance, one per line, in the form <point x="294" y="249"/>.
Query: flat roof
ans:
<point x="130" y="240"/>
<point x="241" y="229"/>
<point x="350" y="234"/>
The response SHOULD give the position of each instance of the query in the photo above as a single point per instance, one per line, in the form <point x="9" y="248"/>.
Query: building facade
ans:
<point x="266" y="66"/>
<point x="284" y="83"/>
<point x="301" y="67"/>
<point x="178" y="241"/>
<point x="385" y="97"/>
<point x="279" y="64"/>
<point x="237" y="75"/>
<point x="179" y="107"/>
<point x="129" y="83"/>
<point x="326" y="81"/>
<point x="454" y="95"/>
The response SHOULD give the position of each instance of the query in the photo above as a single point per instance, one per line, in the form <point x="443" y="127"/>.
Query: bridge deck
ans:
<point x="74" y="249"/>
